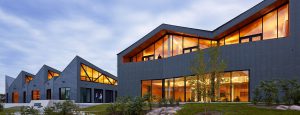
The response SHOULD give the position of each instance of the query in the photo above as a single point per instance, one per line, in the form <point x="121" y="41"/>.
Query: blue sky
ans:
<point x="34" y="33"/>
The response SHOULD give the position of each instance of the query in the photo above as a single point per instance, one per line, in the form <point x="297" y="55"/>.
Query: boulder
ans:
<point x="294" y="107"/>
<point x="282" y="107"/>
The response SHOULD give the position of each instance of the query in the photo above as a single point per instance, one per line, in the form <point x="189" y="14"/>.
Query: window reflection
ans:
<point x="232" y="38"/>
<point x="159" y="49"/>
<point x="252" y="29"/>
<point x="203" y="44"/>
<point x="240" y="86"/>
<point x="270" y="25"/>
<point x="225" y="87"/>
<point x="191" y="89"/>
<point x="167" y="46"/>
<point x="177" y="45"/>
<point x="283" y="21"/>
<point x="157" y="89"/>
<point x="146" y="87"/>
<point x="169" y="86"/>
<point x="190" y="42"/>
<point x="179" y="89"/>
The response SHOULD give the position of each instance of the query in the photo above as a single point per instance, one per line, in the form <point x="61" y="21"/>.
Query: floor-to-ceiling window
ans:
<point x="98" y="95"/>
<point x="234" y="86"/>
<point x="15" y="97"/>
<point x="109" y="96"/>
<point x="64" y="93"/>
<point x="35" y="95"/>
<point x="85" y="95"/>
<point x="24" y="96"/>
<point x="48" y="94"/>
<point x="157" y="89"/>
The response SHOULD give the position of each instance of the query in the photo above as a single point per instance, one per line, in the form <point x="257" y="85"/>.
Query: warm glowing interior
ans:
<point x="35" y="95"/>
<point x="15" y="97"/>
<point x="234" y="86"/>
<point x="52" y="74"/>
<point x="28" y="79"/>
<point x="91" y="75"/>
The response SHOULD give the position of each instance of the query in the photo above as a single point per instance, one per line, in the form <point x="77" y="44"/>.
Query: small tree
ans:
<point x="270" y="91"/>
<point x="136" y="106"/>
<point x="66" y="107"/>
<point x="256" y="95"/>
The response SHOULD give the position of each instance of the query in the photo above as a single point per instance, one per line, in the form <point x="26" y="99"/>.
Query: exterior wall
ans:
<point x="265" y="60"/>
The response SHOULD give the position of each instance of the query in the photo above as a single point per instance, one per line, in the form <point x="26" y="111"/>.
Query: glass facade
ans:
<point x="35" y="95"/>
<point x="15" y="97"/>
<point x="172" y="45"/>
<point x="234" y="87"/>
<point x="272" y="25"/>
<point x="85" y="95"/>
<point x="52" y="74"/>
<point x="64" y="93"/>
<point x="91" y="75"/>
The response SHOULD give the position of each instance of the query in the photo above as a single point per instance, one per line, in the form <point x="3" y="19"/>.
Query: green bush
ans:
<point x="66" y="107"/>
<point x="256" y="96"/>
<point x="178" y="101"/>
<point x="112" y="109"/>
<point x="50" y="111"/>
<point x="270" y="91"/>
<point x="136" y="106"/>
<point x="171" y="101"/>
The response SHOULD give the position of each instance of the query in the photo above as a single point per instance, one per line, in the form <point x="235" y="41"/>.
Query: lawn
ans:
<point x="9" y="111"/>
<point x="232" y="109"/>
<point x="98" y="109"/>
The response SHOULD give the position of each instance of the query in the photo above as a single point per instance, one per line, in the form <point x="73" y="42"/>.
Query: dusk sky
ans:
<point x="53" y="32"/>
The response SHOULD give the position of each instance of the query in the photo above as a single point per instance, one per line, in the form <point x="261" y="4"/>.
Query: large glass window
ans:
<point x="203" y="44"/>
<point x="252" y="29"/>
<point x="157" y="89"/>
<point x="189" y="42"/>
<point x="232" y="38"/>
<point x="146" y="87"/>
<point x="240" y="83"/>
<point x="225" y="87"/>
<point x="148" y="54"/>
<point x="234" y="86"/>
<point x="48" y="94"/>
<point x="167" y="46"/>
<point x="89" y="74"/>
<point x="179" y="88"/>
<point x="159" y="49"/>
<point x="177" y="45"/>
<point x="15" y="97"/>
<point x="270" y="25"/>
<point x="98" y="95"/>
<point x="191" y="89"/>
<point x="52" y="74"/>
<point x="85" y="95"/>
<point x="35" y="95"/>
<point x="64" y="93"/>
<point x="169" y="87"/>
<point x="139" y="57"/>
<point x="283" y="21"/>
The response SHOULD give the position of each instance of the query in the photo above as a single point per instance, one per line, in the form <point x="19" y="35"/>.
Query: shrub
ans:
<point x="66" y="107"/>
<point x="270" y="91"/>
<point x="50" y="111"/>
<point x="136" y="106"/>
<point x="178" y="101"/>
<point x="31" y="111"/>
<point x="171" y="101"/>
<point x="237" y="99"/>
<point x="256" y="96"/>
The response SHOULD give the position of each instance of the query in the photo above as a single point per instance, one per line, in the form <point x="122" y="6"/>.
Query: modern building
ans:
<point x="80" y="81"/>
<point x="259" y="44"/>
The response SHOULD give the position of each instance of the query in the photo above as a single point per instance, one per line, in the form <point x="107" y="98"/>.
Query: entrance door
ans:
<point x="98" y="96"/>
<point x="15" y="97"/>
<point x="85" y="94"/>
<point x="109" y="96"/>
<point x="48" y="94"/>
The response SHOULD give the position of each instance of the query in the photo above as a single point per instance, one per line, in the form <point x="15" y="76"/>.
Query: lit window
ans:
<point x="146" y="87"/>
<point x="149" y="51"/>
<point x="167" y="46"/>
<point x="189" y="42"/>
<point x="203" y="44"/>
<point x="270" y="25"/>
<point x="177" y="45"/>
<point x="92" y="75"/>
<point x="232" y="38"/>
<point x="140" y="57"/>
<point x="221" y="42"/>
<point x="15" y="97"/>
<point x="64" y="93"/>
<point x="28" y="79"/>
<point x="179" y="88"/>
<point x="159" y="49"/>
<point x="52" y="74"/>
<point x="169" y="86"/>
<point x="35" y="95"/>
<point x="252" y="29"/>
<point x="283" y="21"/>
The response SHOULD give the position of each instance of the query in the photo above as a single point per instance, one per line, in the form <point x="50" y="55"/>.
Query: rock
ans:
<point x="282" y="107"/>
<point x="294" y="107"/>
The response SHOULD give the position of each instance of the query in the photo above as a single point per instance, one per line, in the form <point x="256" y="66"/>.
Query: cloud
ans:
<point x="53" y="32"/>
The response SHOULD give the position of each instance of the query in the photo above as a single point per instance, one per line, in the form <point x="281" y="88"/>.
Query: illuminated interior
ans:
<point x="91" y="75"/>
<point x="15" y="97"/>
<point x="234" y="87"/>
<point x="172" y="45"/>
<point x="28" y="79"/>
<point x="272" y="25"/>
<point x="35" y="95"/>
<point x="52" y="74"/>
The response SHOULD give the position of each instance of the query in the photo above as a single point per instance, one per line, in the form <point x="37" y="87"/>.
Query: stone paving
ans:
<point x="164" y="111"/>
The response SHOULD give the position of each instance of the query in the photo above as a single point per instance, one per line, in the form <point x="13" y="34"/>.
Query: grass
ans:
<point x="9" y="111"/>
<point x="232" y="109"/>
<point x="97" y="109"/>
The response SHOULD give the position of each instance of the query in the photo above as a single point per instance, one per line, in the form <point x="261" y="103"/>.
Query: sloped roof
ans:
<point x="239" y="21"/>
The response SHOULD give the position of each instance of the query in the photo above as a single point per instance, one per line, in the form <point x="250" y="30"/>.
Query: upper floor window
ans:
<point x="274" y="24"/>
<point x="28" y="79"/>
<point x="52" y="74"/>
<point x="89" y="74"/>
<point x="172" y="45"/>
